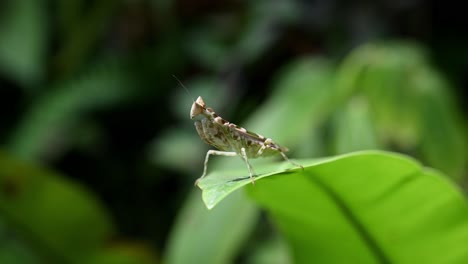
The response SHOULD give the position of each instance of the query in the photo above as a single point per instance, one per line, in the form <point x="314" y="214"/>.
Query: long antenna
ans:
<point x="183" y="86"/>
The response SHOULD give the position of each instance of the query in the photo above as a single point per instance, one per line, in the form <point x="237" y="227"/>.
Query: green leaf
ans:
<point x="370" y="207"/>
<point x="409" y="101"/>
<point x="353" y="127"/>
<point x="23" y="35"/>
<point x="60" y="220"/>
<point x="202" y="236"/>
<point x="303" y="97"/>
<point x="442" y="143"/>
<point x="272" y="249"/>
<point x="125" y="253"/>
<point x="219" y="183"/>
<point x="383" y="78"/>
<point x="13" y="250"/>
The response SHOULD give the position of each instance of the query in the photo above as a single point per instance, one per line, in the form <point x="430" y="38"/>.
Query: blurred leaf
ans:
<point x="443" y="145"/>
<point x="125" y="254"/>
<point x="69" y="13"/>
<point x="83" y="35"/>
<point x="372" y="207"/>
<point x="302" y="97"/>
<point x="353" y="128"/>
<point x="177" y="149"/>
<point x="23" y="37"/>
<point x="46" y="124"/>
<point x="265" y="20"/>
<point x="13" y="250"/>
<point x="210" y="237"/>
<point x="410" y="102"/>
<point x="226" y="39"/>
<point x="386" y="82"/>
<point x="205" y="46"/>
<point x="274" y="250"/>
<point x="60" y="219"/>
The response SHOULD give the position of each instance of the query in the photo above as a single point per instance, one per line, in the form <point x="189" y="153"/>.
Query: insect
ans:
<point x="231" y="139"/>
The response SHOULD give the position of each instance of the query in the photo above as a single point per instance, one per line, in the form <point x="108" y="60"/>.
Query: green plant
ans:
<point x="365" y="207"/>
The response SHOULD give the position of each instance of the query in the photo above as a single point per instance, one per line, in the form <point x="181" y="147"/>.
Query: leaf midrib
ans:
<point x="366" y="236"/>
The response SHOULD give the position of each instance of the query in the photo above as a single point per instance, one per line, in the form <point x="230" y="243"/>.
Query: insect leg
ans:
<point x="290" y="161"/>
<point x="249" y="167"/>
<point x="260" y="151"/>
<point x="264" y="146"/>
<point x="217" y="153"/>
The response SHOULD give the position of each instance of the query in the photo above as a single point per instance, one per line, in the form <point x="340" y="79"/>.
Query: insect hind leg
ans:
<point x="207" y="157"/>
<point x="249" y="167"/>
<point x="290" y="161"/>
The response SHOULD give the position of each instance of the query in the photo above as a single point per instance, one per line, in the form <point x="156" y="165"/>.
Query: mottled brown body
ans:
<point x="231" y="139"/>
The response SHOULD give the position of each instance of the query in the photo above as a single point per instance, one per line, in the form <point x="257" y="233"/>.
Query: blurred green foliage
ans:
<point x="55" y="216"/>
<point x="98" y="154"/>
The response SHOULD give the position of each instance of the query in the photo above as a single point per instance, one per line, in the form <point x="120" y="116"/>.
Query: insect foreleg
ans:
<point x="249" y="167"/>
<point x="217" y="153"/>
